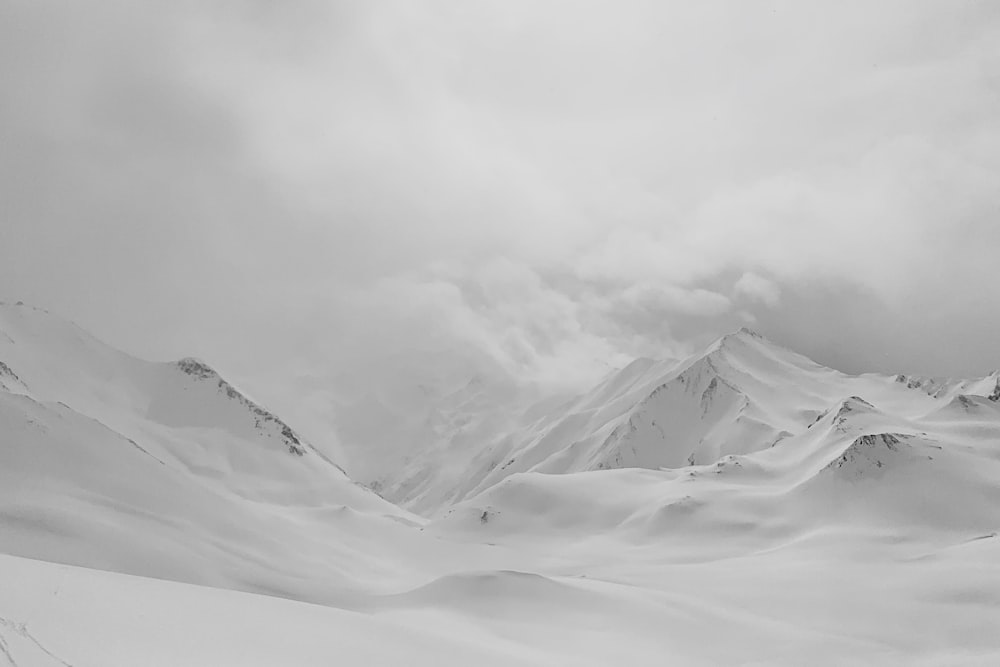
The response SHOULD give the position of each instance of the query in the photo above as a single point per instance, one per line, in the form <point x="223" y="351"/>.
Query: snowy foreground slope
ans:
<point x="745" y="506"/>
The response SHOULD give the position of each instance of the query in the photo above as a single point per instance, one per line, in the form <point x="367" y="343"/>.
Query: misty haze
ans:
<point x="499" y="333"/>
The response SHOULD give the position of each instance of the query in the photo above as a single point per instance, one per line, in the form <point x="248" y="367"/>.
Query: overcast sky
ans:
<point x="303" y="192"/>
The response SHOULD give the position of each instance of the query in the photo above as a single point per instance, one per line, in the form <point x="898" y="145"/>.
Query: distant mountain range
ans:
<point x="742" y="394"/>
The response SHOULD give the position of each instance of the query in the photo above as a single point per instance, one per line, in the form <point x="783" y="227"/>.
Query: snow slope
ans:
<point x="166" y="470"/>
<point x="743" y="506"/>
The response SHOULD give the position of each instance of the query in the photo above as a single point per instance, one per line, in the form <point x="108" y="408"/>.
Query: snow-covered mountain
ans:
<point x="745" y="505"/>
<point x="741" y="395"/>
<point x="164" y="469"/>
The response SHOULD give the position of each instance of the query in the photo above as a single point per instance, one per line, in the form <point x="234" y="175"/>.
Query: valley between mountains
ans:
<point x="742" y="506"/>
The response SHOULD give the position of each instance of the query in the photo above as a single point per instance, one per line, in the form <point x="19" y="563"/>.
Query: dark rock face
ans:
<point x="5" y="370"/>
<point x="202" y="371"/>
<point x="196" y="368"/>
<point x="869" y="453"/>
<point x="965" y="401"/>
<point x="853" y="404"/>
<point x="8" y="373"/>
<point x="294" y="444"/>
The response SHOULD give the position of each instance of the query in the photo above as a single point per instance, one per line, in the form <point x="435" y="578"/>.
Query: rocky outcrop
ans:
<point x="262" y="418"/>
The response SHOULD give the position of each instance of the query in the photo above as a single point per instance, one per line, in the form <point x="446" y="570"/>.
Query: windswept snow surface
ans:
<point x="743" y="506"/>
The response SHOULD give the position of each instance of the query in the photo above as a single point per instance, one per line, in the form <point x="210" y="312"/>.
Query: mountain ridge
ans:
<point x="805" y="484"/>
<point x="740" y="394"/>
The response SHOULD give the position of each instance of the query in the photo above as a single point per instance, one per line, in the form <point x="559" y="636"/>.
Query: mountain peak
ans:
<point x="742" y="339"/>
<point x="743" y="334"/>
<point x="854" y="404"/>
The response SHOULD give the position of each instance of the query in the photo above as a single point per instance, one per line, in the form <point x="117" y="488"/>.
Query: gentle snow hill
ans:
<point x="932" y="611"/>
<point x="54" y="615"/>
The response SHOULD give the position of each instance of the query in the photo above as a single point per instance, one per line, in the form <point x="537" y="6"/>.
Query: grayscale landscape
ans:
<point x="499" y="333"/>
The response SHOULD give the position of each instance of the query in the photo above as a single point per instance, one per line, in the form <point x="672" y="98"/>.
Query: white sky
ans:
<point x="316" y="196"/>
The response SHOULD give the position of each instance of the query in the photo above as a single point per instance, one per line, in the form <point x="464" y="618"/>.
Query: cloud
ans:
<point x="530" y="329"/>
<point x="671" y="299"/>
<point x="344" y="193"/>
<point x="758" y="289"/>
